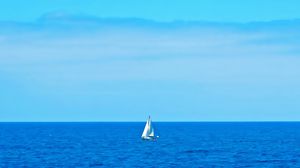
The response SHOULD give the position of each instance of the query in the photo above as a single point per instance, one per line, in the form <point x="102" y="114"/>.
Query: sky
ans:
<point x="64" y="60"/>
<point x="167" y="10"/>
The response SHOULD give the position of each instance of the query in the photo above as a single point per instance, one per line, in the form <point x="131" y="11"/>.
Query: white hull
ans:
<point x="148" y="138"/>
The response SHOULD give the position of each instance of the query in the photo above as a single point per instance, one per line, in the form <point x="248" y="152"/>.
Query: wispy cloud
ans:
<point x="61" y="55"/>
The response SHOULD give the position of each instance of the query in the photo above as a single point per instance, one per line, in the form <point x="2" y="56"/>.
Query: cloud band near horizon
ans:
<point x="78" y="68"/>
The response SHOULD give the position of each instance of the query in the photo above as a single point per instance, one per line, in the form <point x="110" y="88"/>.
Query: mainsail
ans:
<point x="148" y="132"/>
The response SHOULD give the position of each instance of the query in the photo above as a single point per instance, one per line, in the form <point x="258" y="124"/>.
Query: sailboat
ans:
<point x="148" y="133"/>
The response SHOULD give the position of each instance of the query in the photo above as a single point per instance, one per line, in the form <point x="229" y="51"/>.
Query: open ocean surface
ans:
<point x="203" y="144"/>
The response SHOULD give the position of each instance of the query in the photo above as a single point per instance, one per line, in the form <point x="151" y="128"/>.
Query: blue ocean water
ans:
<point x="203" y="144"/>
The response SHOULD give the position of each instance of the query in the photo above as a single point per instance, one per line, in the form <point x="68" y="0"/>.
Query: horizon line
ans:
<point x="213" y="121"/>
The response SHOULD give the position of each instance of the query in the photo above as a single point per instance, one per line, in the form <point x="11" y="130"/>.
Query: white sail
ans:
<point x="151" y="129"/>
<point x="148" y="132"/>
<point x="146" y="129"/>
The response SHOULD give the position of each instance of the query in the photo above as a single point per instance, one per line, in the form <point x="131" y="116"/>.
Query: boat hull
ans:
<point x="149" y="138"/>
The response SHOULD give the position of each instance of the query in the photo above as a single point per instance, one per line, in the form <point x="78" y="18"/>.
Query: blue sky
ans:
<point x="208" y="10"/>
<point x="178" y="61"/>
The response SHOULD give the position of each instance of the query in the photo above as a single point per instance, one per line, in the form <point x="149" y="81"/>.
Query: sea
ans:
<point x="180" y="144"/>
